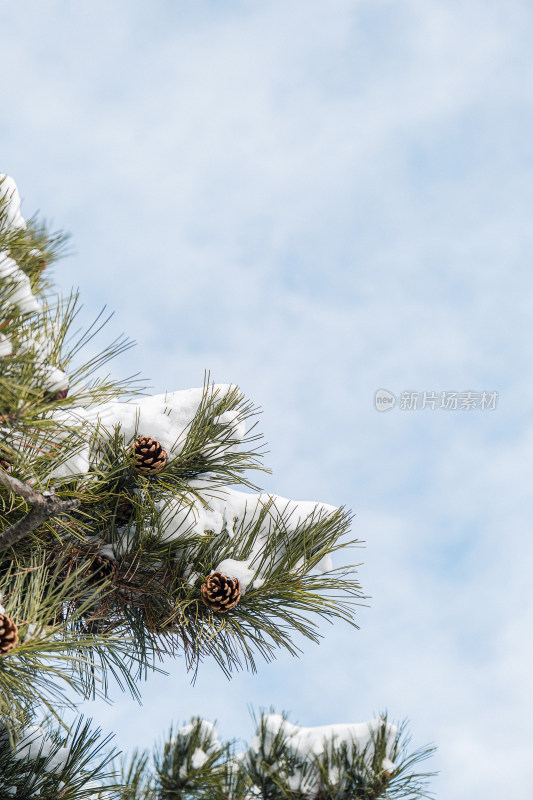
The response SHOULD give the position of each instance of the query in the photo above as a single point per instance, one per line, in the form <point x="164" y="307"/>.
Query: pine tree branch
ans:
<point x="19" y="488"/>
<point x="44" y="506"/>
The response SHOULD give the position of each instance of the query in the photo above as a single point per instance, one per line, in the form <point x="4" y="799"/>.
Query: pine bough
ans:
<point x="102" y="564"/>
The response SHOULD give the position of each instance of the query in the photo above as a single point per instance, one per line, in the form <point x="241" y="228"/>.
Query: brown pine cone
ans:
<point x="103" y="568"/>
<point x="124" y="511"/>
<point x="9" y="636"/>
<point x="221" y="593"/>
<point x="149" y="456"/>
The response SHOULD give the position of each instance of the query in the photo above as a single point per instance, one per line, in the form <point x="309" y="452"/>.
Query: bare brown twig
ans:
<point x="44" y="506"/>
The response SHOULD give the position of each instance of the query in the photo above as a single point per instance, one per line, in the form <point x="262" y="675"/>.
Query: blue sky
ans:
<point x="316" y="200"/>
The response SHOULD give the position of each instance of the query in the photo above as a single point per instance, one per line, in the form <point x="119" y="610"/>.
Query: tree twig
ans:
<point x="19" y="488"/>
<point x="44" y="506"/>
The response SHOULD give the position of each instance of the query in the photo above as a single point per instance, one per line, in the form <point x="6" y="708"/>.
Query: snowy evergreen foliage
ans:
<point x="47" y="763"/>
<point x="283" y="762"/>
<point x="102" y="562"/>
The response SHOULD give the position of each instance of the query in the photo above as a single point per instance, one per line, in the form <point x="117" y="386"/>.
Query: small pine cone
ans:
<point x="124" y="511"/>
<point x="149" y="456"/>
<point x="9" y="636"/>
<point x="221" y="593"/>
<point x="103" y="568"/>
